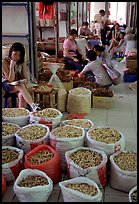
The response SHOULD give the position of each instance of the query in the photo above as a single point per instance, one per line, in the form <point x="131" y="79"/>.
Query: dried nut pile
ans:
<point x="9" y="155"/>
<point x="47" y="113"/>
<point x="102" y="92"/>
<point x="83" y="188"/>
<point x="67" y="131"/>
<point x="9" y="128"/>
<point x="134" y="196"/>
<point x="126" y="161"/>
<point x="31" y="181"/>
<point x="79" y="122"/>
<point x="79" y="91"/>
<point x="14" y="112"/>
<point x="105" y="134"/>
<point x="32" y="132"/>
<point x="44" y="88"/>
<point x="86" y="158"/>
<point x="40" y="157"/>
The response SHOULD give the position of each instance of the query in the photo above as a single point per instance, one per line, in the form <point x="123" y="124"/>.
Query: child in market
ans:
<point x="14" y="69"/>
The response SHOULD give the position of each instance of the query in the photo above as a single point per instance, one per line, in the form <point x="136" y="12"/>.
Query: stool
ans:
<point x="13" y="98"/>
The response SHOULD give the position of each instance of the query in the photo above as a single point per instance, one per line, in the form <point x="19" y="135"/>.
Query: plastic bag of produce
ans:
<point x="106" y="139"/>
<point x="86" y="191"/>
<point x="50" y="117"/>
<point x="79" y="100"/>
<point x="12" y="162"/>
<point x="19" y="116"/>
<point x="133" y="194"/>
<point x="123" y="170"/>
<point x="46" y="159"/>
<point x="65" y="138"/>
<point x="88" y="162"/>
<point x="33" y="186"/>
<point x="30" y="136"/>
<point x="8" y="133"/>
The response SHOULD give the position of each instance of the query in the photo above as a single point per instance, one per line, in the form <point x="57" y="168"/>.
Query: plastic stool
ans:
<point x="13" y="98"/>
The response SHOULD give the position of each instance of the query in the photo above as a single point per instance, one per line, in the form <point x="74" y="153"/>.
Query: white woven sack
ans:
<point x="70" y="195"/>
<point x="130" y="193"/>
<point x="19" y="120"/>
<point x="107" y="148"/>
<point x="9" y="140"/>
<point x="26" y="145"/>
<point x="80" y="103"/>
<point x="6" y="168"/>
<point x="36" y="193"/>
<point x="61" y="145"/>
<point x="75" y="170"/>
<point x="120" y="179"/>
<point x="54" y="122"/>
<point x="85" y="129"/>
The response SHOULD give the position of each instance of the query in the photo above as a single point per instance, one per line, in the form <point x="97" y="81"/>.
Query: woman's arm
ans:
<point x="85" y="69"/>
<point x="120" y="43"/>
<point x="8" y="73"/>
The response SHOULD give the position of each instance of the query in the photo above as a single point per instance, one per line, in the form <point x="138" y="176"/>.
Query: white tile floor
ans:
<point x="123" y="117"/>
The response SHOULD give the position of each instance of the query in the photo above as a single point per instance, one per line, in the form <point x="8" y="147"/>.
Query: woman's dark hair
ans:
<point x="17" y="46"/>
<point x="102" y="11"/>
<point x="85" y="23"/>
<point x="91" y="55"/>
<point x="116" y="24"/>
<point x="73" y="32"/>
<point x="99" y="48"/>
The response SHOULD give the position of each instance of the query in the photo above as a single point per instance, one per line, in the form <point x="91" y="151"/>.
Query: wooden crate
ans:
<point x="131" y="63"/>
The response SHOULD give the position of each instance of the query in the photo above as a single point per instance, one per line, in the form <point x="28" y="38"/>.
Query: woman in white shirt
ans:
<point x="94" y="71"/>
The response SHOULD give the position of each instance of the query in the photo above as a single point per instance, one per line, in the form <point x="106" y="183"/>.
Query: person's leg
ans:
<point x="112" y="44"/>
<point x="73" y="65"/>
<point x="21" y="101"/>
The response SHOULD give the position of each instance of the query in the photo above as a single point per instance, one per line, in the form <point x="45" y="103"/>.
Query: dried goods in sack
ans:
<point x="8" y="133"/>
<point x="33" y="185"/>
<point x="133" y="195"/>
<point x="30" y="136"/>
<point x="88" y="162"/>
<point x="12" y="162"/>
<point x="50" y="117"/>
<point x="80" y="189"/>
<point x="19" y="116"/>
<point x="46" y="159"/>
<point x="123" y="173"/>
<point x="3" y="184"/>
<point x="65" y="138"/>
<point x="106" y="139"/>
<point x="79" y="100"/>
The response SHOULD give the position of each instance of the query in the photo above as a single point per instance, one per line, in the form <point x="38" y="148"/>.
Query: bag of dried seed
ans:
<point x="30" y="136"/>
<point x="46" y="159"/>
<point x="12" y="162"/>
<point x="19" y="116"/>
<point x="123" y="170"/>
<point x="8" y="133"/>
<point x="80" y="189"/>
<point x="33" y="185"/>
<point x="88" y="162"/>
<point x="50" y="117"/>
<point x="79" y="100"/>
<point x="65" y="138"/>
<point x="106" y="139"/>
<point x="133" y="194"/>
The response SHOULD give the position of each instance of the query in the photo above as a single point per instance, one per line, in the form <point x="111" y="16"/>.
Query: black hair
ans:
<point x="17" y="46"/>
<point x="116" y="24"/>
<point x="99" y="48"/>
<point x="73" y="32"/>
<point x="85" y="23"/>
<point x="102" y="11"/>
<point x="91" y="55"/>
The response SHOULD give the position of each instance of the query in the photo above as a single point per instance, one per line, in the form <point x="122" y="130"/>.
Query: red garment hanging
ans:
<point x="46" y="11"/>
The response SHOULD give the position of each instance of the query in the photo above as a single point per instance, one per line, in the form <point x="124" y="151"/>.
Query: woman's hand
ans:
<point x="75" y="60"/>
<point x="80" y="75"/>
<point x="12" y="63"/>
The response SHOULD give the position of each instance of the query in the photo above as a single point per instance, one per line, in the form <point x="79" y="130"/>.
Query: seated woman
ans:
<point x="115" y="37"/>
<point x="94" y="71"/>
<point x="84" y="30"/>
<point x="73" y="57"/>
<point x="120" y="47"/>
<point x="14" y="68"/>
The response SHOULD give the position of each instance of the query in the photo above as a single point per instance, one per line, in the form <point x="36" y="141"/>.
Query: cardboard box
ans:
<point x="102" y="102"/>
<point x="131" y="63"/>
